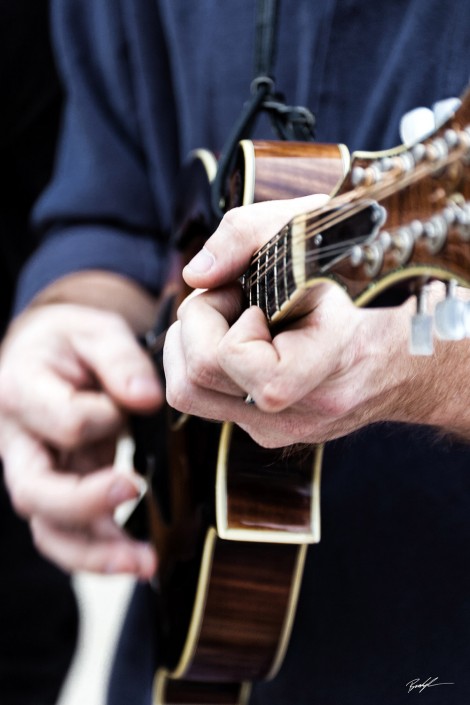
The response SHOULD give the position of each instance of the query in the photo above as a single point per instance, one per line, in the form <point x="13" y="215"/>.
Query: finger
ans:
<point x="240" y="234"/>
<point x="120" y="364"/>
<point x="51" y="363"/>
<point x="204" y="322"/>
<point x="275" y="431"/>
<point x="55" y="410"/>
<point x="87" y="458"/>
<point x="279" y="372"/>
<point x="38" y="488"/>
<point x="102" y="549"/>
<point x="228" y="301"/>
<point x="187" y="397"/>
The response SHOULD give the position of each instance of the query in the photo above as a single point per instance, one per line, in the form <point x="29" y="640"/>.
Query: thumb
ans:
<point x="242" y="231"/>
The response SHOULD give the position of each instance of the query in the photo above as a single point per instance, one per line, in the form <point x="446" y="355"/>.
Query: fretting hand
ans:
<point x="333" y="371"/>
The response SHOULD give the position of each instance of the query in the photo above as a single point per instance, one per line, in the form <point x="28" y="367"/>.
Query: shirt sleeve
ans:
<point x="100" y="210"/>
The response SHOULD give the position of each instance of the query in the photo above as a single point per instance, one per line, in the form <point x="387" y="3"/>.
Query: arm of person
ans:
<point x="70" y="370"/>
<point x="337" y="369"/>
<point x="71" y="367"/>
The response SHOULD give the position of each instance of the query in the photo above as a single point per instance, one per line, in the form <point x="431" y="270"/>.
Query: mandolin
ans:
<point x="232" y="521"/>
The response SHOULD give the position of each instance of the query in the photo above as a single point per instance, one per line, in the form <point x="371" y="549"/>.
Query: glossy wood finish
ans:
<point x="168" y="691"/>
<point x="267" y="495"/>
<point x="226" y="607"/>
<point x="422" y="198"/>
<point x="244" y="611"/>
<point x="267" y="170"/>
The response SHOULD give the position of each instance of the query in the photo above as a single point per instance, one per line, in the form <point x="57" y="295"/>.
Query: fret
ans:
<point x="280" y="279"/>
<point x="269" y="281"/>
<point x="289" y="269"/>
<point x="276" y="292"/>
<point x="298" y="253"/>
<point x="284" y="264"/>
<point x="244" y="281"/>
<point x="266" y="285"/>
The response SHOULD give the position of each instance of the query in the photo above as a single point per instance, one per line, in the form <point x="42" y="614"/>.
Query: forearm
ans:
<point x="106" y="291"/>
<point x="440" y="383"/>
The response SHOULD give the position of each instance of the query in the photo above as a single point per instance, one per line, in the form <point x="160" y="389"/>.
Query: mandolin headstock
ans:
<point x="399" y="220"/>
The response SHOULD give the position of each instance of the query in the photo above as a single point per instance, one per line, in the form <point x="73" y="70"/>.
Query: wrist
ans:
<point x="105" y="291"/>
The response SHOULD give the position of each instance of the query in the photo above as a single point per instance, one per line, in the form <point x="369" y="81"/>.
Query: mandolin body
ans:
<point x="231" y="521"/>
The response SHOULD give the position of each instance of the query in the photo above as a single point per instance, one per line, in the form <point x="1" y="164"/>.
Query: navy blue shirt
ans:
<point x="386" y="596"/>
<point x="150" y="80"/>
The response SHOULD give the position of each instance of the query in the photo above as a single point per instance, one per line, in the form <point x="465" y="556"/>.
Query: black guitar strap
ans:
<point x="265" y="38"/>
<point x="289" y="122"/>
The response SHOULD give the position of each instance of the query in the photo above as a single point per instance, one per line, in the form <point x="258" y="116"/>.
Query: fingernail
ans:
<point x="147" y="562"/>
<point x="121" y="490"/>
<point x="141" y="385"/>
<point x="202" y="262"/>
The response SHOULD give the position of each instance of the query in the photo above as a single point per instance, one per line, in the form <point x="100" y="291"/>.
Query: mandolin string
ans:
<point x="381" y="191"/>
<point x="270" y="261"/>
<point x="344" y="208"/>
<point x="333" y="251"/>
<point x="376" y="191"/>
<point x="341" y="213"/>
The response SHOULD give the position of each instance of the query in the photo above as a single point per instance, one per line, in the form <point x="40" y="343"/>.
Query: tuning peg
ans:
<point x="421" y="342"/>
<point x="467" y="319"/>
<point x="450" y="315"/>
<point x="444" y="109"/>
<point x="416" y="125"/>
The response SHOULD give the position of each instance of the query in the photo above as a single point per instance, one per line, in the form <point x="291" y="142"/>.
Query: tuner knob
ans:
<point x="421" y="342"/>
<point x="450" y="319"/>
<point x="450" y="315"/>
<point x="358" y="175"/>
<point x="467" y="319"/>
<point x="416" y="125"/>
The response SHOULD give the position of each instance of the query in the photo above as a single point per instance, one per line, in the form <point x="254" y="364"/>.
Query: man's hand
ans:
<point x="333" y="371"/>
<point x="68" y="374"/>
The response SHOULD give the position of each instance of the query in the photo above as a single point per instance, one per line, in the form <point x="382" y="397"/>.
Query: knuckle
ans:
<point x="20" y="499"/>
<point x="200" y="368"/>
<point x="233" y="217"/>
<point x="272" y="397"/>
<point x="70" y="429"/>
<point x="178" y="396"/>
<point x="237" y="221"/>
<point x="228" y="348"/>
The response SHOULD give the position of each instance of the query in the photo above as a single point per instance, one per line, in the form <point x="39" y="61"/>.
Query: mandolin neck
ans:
<point x="309" y="248"/>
